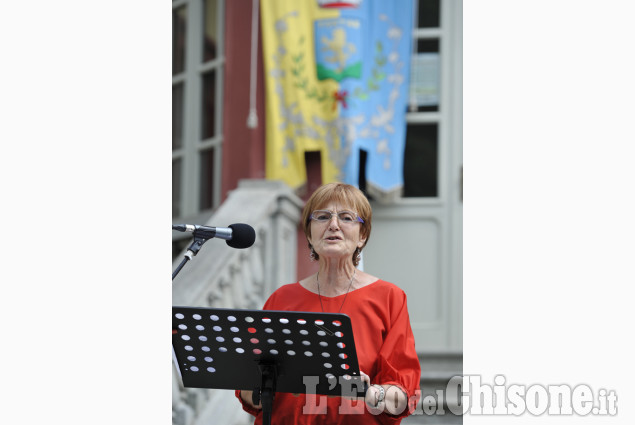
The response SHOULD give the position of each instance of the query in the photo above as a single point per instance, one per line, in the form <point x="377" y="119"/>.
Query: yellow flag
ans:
<point x="300" y="110"/>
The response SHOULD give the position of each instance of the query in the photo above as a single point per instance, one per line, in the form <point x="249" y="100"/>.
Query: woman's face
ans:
<point x="336" y="238"/>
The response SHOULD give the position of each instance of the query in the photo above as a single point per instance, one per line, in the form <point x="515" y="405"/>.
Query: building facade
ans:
<point x="219" y="133"/>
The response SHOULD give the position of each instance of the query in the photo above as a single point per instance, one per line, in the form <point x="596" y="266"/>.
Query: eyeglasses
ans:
<point x="344" y="217"/>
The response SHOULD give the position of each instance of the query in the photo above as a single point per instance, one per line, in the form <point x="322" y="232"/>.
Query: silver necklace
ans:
<point x="317" y="278"/>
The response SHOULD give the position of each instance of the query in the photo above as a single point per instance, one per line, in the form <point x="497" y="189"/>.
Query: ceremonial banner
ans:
<point x="337" y="78"/>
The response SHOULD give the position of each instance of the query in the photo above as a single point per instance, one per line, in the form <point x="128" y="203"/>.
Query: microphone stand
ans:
<point x="200" y="237"/>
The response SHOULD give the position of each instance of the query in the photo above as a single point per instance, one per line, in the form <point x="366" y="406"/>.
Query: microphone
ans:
<point x="238" y="235"/>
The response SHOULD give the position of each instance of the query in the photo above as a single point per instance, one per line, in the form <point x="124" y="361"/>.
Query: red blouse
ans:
<point x="385" y="351"/>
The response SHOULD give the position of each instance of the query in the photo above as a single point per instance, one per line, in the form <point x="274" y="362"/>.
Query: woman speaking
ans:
<point x="337" y="224"/>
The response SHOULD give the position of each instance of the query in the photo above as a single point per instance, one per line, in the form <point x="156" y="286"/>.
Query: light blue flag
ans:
<point x="367" y="50"/>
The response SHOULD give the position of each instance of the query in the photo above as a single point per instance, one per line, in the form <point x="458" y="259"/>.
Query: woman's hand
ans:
<point x="365" y="378"/>
<point x="395" y="400"/>
<point x="372" y="394"/>
<point x="247" y="395"/>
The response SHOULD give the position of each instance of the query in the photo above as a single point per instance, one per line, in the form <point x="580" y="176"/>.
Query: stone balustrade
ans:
<point x="222" y="277"/>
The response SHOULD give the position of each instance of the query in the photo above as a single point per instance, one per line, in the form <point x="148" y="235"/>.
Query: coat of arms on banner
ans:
<point x="338" y="48"/>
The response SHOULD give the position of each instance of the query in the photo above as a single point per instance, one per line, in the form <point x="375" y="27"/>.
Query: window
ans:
<point x="421" y="157"/>
<point x="197" y="78"/>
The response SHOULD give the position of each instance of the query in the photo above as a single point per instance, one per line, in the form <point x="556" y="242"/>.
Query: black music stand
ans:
<point x="266" y="351"/>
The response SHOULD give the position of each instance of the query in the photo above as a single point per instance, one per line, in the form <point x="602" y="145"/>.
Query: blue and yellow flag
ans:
<point x="337" y="77"/>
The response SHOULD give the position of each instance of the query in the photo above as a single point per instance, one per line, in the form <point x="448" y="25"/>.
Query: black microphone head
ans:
<point x="243" y="236"/>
